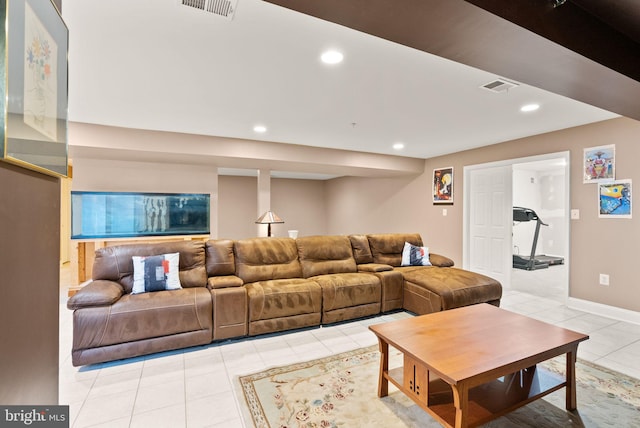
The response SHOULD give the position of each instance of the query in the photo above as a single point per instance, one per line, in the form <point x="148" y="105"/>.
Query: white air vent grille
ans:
<point x="223" y="8"/>
<point x="499" y="85"/>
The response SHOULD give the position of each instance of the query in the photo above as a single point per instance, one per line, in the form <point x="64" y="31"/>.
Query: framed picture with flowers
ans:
<point x="33" y="63"/>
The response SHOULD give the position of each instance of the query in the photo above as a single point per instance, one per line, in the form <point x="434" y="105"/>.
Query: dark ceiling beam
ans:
<point x="468" y="34"/>
<point x="571" y="26"/>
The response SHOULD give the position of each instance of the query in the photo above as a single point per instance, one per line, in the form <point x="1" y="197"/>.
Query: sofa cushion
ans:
<point x="143" y="316"/>
<point x="361" y="250"/>
<point x="116" y="263"/>
<point x="156" y="273"/>
<point x="413" y="255"/>
<point x="455" y="287"/>
<point x="262" y="259"/>
<point x="386" y="248"/>
<point x="322" y="255"/>
<point x="283" y="298"/>
<point x="219" y="257"/>
<point x="345" y="290"/>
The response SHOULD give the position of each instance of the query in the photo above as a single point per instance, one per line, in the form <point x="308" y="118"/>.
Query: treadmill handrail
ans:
<point x="527" y="214"/>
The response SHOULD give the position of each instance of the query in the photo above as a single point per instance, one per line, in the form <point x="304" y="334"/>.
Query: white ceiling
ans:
<point x="159" y="65"/>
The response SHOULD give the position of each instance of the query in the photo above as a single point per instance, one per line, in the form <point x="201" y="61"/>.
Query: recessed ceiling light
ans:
<point x="398" y="146"/>
<point x="332" y="57"/>
<point x="529" y="107"/>
<point x="260" y="129"/>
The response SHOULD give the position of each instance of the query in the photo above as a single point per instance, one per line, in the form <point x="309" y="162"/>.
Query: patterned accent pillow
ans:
<point x="156" y="273"/>
<point x="415" y="256"/>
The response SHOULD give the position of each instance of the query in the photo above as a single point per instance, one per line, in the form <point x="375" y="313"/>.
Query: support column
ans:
<point x="264" y="198"/>
<point x="214" y="211"/>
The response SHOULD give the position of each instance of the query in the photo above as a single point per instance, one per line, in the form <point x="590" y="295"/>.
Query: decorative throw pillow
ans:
<point x="156" y="273"/>
<point x="415" y="256"/>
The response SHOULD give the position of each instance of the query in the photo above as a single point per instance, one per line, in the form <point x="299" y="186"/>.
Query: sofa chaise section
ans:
<point x="433" y="288"/>
<point x="111" y="323"/>
<point x="279" y="297"/>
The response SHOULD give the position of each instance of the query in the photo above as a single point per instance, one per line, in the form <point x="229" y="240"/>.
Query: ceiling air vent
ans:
<point x="223" y="8"/>
<point x="499" y="85"/>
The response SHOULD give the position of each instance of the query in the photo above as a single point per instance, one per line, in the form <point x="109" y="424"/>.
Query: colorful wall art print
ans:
<point x="443" y="186"/>
<point x="615" y="199"/>
<point x="40" y="78"/>
<point x="599" y="164"/>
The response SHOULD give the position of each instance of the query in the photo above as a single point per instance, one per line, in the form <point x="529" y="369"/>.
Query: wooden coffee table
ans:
<point x="470" y="365"/>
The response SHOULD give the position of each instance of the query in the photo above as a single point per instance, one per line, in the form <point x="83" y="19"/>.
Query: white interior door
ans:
<point x="489" y="222"/>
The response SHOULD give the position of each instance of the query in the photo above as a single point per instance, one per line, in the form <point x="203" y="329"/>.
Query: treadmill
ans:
<point x="532" y="262"/>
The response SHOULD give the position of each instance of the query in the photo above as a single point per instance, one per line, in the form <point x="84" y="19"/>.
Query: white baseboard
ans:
<point x="604" y="310"/>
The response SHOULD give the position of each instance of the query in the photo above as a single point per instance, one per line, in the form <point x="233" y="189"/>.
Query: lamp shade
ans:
<point x="269" y="217"/>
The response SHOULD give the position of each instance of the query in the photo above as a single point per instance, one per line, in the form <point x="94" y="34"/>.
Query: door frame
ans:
<point x="466" y="218"/>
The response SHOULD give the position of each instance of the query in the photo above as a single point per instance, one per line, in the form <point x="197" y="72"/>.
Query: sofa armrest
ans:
<point x="374" y="267"/>
<point x="96" y="293"/>
<point x="440" y="261"/>
<point x="224" y="281"/>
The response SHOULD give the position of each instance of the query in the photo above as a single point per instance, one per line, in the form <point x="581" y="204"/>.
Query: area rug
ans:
<point x="341" y="391"/>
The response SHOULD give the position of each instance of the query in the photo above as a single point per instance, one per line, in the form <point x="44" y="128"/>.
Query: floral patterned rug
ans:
<point x="341" y="391"/>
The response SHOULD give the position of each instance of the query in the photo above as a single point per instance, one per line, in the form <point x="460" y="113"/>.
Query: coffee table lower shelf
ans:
<point x="487" y="401"/>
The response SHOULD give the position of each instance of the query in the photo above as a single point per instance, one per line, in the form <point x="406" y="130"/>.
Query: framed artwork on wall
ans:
<point x="614" y="199"/>
<point x="33" y="57"/>
<point x="599" y="164"/>
<point x="443" y="185"/>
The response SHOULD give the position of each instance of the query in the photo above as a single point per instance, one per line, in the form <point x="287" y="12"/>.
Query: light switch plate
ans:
<point x="575" y="214"/>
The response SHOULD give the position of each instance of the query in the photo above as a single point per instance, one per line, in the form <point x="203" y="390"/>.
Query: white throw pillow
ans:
<point x="413" y="255"/>
<point x="156" y="273"/>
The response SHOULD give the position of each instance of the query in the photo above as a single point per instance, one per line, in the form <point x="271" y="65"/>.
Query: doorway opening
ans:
<point x="539" y="184"/>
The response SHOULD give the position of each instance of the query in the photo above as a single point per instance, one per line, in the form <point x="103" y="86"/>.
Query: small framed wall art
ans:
<point x="33" y="64"/>
<point x="614" y="199"/>
<point x="443" y="185"/>
<point x="599" y="164"/>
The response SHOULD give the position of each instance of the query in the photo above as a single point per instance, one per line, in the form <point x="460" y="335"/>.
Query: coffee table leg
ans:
<point x="461" y="402"/>
<point x="571" y="379"/>
<point x="383" y="382"/>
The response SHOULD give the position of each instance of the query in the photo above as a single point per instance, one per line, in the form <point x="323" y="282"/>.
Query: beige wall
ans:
<point x="403" y="204"/>
<point x="238" y="199"/>
<point x="300" y="203"/>
<point x="597" y="245"/>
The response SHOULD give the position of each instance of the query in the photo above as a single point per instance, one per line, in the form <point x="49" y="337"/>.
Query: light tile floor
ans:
<point x="193" y="387"/>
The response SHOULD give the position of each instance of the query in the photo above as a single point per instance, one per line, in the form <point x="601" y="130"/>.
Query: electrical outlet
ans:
<point x="604" y="279"/>
<point x="444" y="212"/>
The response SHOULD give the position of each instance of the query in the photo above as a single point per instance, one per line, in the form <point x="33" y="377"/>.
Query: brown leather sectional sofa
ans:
<point x="256" y="286"/>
